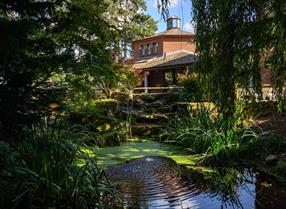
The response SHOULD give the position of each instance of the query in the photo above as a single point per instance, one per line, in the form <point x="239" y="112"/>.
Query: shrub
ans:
<point x="106" y="118"/>
<point x="192" y="90"/>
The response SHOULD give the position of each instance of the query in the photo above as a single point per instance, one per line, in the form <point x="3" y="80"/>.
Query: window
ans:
<point x="142" y="50"/>
<point x="154" y="48"/>
<point x="149" y="49"/>
<point x="169" y="24"/>
<point x="175" y="23"/>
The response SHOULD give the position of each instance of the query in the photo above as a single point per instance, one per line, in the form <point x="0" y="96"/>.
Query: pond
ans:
<point x="139" y="148"/>
<point x="160" y="182"/>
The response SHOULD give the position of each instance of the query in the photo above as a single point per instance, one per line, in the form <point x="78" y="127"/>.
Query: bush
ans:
<point x="45" y="173"/>
<point x="260" y="109"/>
<point x="103" y="117"/>
<point x="192" y="90"/>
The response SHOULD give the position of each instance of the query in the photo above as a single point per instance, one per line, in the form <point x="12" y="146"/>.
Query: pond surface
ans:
<point x="140" y="148"/>
<point x="159" y="182"/>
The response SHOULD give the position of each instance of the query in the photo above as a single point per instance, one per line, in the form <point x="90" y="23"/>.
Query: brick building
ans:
<point x="159" y="58"/>
<point x="166" y="53"/>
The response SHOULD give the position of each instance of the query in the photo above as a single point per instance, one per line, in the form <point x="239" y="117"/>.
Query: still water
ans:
<point x="159" y="182"/>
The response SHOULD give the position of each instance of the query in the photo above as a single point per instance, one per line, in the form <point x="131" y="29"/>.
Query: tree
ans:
<point x="276" y="13"/>
<point x="43" y="38"/>
<point x="235" y="41"/>
<point x="75" y="40"/>
<point x="131" y="23"/>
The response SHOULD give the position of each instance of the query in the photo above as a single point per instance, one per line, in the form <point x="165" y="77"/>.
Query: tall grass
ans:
<point x="43" y="172"/>
<point x="214" y="137"/>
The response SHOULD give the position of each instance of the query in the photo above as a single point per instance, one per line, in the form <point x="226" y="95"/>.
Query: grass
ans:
<point x="42" y="172"/>
<point x="213" y="137"/>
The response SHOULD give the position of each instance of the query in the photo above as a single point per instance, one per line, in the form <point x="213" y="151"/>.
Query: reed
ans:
<point x="44" y="173"/>
<point x="215" y="138"/>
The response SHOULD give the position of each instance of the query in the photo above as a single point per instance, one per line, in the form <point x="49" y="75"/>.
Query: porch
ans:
<point x="160" y="74"/>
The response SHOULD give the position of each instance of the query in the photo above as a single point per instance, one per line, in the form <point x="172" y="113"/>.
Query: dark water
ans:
<point x="158" y="182"/>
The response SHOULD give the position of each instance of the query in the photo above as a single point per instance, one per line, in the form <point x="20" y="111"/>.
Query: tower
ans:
<point x="173" y="22"/>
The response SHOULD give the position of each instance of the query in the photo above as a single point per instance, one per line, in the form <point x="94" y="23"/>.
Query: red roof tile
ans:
<point x="169" y="59"/>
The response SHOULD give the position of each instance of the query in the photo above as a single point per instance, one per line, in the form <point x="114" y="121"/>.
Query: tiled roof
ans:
<point x="168" y="60"/>
<point x="171" y="32"/>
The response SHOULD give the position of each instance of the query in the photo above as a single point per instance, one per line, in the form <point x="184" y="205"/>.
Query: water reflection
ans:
<point x="269" y="194"/>
<point x="158" y="182"/>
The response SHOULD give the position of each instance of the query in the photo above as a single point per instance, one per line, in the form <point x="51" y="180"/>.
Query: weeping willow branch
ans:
<point x="236" y="40"/>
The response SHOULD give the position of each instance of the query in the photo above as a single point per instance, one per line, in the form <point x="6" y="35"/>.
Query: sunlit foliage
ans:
<point x="235" y="41"/>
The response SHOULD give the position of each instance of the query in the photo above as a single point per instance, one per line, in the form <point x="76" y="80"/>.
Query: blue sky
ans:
<point x="180" y="8"/>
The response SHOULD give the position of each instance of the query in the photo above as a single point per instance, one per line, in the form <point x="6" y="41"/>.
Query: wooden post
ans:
<point x="146" y="82"/>
<point x="174" y="77"/>
<point x="131" y="94"/>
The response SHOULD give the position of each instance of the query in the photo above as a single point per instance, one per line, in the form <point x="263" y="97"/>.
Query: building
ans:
<point x="159" y="58"/>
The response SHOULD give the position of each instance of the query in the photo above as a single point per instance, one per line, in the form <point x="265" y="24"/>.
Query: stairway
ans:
<point x="150" y="113"/>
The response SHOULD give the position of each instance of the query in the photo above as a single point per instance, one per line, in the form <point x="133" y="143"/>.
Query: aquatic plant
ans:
<point x="212" y="136"/>
<point x="44" y="172"/>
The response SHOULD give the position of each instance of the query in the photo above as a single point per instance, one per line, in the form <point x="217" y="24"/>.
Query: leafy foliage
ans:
<point x="49" y="41"/>
<point x="106" y="118"/>
<point x="130" y="22"/>
<point x="192" y="90"/>
<point x="202" y="133"/>
<point x="236" y="41"/>
<point x="39" y="39"/>
<point x="44" y="172"/>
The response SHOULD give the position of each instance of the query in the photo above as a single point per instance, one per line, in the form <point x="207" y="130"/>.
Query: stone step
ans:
<point x="148" y="98"/>
<point x="146" y="129"/>
<point x="166" y="108"/>
<point x="152" y="118"/>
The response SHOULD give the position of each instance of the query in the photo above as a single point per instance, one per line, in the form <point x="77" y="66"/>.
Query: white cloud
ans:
<point x="188" y="27"/>
<point x="173" y="3"/>
<point x="155" y="4"/>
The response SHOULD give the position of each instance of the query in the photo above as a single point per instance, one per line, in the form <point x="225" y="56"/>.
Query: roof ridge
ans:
<point x="153" y="58"/>
<point x="181" y="58"/>
<point x="178" y="51"/>
<point x="167" y="32"/>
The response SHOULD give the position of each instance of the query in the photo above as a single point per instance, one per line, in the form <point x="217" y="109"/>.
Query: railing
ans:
<point x="267" y="93"/>
<point x="148" y="90"/>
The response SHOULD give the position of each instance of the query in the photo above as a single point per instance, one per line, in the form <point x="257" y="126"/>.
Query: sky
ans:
<point x="180" y="8"/>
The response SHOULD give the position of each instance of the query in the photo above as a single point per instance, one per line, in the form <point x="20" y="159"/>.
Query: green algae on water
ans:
<point x="108" y="156"/>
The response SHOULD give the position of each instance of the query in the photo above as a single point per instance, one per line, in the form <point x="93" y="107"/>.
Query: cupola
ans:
<point x="173" y="22"/>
